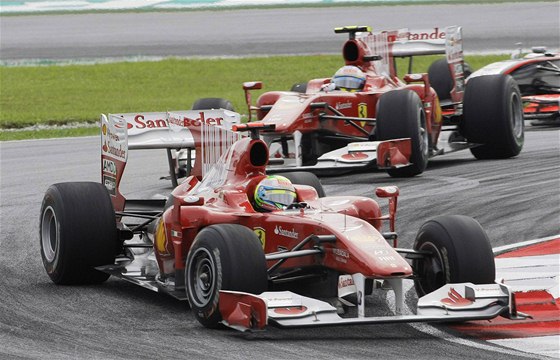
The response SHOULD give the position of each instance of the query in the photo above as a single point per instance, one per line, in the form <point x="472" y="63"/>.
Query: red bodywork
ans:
<point x="225" y="196"/>
<point x="293" y="111"/>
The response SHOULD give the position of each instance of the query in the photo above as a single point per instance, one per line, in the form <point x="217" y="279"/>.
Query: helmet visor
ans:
<point x="279" y="198"/>
<point x="348" y="82"/>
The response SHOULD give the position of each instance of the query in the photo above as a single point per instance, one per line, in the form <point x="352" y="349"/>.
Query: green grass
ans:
<point x="57" y="95"/>
<point x="48" y="133"/>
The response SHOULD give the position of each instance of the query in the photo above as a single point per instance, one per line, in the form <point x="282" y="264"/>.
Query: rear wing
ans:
<point x="392" y="44"/>
<point x="207" y="132"/>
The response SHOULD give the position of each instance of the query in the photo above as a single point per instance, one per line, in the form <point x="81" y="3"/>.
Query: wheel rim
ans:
<point x="202" y="278"/>
<point x="516" y="116"/>
<point x="50" y="238"/>
<point x="423" y="140"/>
<point x="430" y="269"/>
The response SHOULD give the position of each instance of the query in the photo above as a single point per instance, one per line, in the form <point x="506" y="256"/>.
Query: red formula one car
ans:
<point x="538" y="77"/>
<point x="237" y="262"/>
<point x="365" y="115"/>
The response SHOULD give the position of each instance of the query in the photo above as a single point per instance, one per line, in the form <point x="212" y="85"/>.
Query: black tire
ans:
<point x="300" y="88"/>
<point x="461" y="252"/>
<point x="77" y="232"/>
<point x="493" y="117"/>
<point x="467" y="70"/>
<point x="400" y="114"/>
<point x="441" y="80"/>
<point x="306" y="178"/>
<point x="223" y="257"/>
<point x="212" y="103"/>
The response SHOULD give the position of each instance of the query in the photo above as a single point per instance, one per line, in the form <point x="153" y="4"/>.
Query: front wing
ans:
<point x="377" y="154"/>
<point x="450" y="303"/>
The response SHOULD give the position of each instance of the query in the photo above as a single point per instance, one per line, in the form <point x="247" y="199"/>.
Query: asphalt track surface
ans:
<point x="486" y="28"/>
<point x="515" y="200"/>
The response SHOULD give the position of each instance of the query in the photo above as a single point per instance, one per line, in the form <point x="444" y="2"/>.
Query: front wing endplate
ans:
<point x="450" y="303"/>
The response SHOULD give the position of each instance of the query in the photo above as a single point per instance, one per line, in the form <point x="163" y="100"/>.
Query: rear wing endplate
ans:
<point x="186" y="129"/>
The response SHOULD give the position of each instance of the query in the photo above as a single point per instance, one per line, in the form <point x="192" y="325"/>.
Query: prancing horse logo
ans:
<point x="261" y="233"/>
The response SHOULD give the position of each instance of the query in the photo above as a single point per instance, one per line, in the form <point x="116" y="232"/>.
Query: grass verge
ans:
<point x="59" y="95"/>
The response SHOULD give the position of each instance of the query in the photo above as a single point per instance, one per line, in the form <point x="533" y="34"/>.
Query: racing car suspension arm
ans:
<point x="148" y="215"/>
<point x="297" y="252"/>
<point x="340" y="116"/>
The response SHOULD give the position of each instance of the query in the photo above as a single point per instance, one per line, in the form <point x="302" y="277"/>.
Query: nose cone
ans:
<point x="372" y="255"/>
<point x="360" y="248"/>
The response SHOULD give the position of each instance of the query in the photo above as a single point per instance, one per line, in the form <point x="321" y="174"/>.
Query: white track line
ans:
<point x="542" y="346"/>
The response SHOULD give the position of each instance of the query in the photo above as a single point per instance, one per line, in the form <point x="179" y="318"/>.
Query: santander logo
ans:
<point x="287" y="233"/>
<point x="434" y="34"/>
<point x="141" y="122"/>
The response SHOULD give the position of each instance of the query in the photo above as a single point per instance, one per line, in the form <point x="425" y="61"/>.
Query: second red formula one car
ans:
<point x="337" y="123"/>
<point x="247" y="249"/>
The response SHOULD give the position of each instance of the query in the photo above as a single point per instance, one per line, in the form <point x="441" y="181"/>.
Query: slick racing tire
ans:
<point x="77" y="232"/>
<point x="459" y="252"/>
<point x="223" y="257"/>
<point x="400" y="114"/>
<point x="441" y="80"/>
<point x="299" y="88"/>
<point x="493" y="117"/>
<point x="212" y="103"/>
<point x="306" y="178"/>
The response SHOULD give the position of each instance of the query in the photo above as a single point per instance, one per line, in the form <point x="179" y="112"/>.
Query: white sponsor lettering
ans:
<point x="340" y="252"/>
<point x="287" y="233"/>
<point x="109" y="167"/>
<point x="342" y="106"/>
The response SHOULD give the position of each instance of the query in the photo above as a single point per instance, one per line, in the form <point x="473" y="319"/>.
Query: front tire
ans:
<point x="460" y="252"/>
<point x="306" y="178"/>
<point x="400" y="114"/>
<point x="299" y="88"/>
<point x="493" y="114"/>
<point x="212" y="103"/>
<point x="223" y="257"/>
<point x="77" y="232"/>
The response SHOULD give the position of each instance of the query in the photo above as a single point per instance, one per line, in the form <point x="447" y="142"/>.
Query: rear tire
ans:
<point x="212" y="103"/>
<point x="461" y="252"/>
<point x="400" y="114"/>
<point x="493" y="117"/>
<point x="306" y="178"/>
<point x="441" y="80"/>
<point x="77" y="232"/>
<point x="223" y="257"/>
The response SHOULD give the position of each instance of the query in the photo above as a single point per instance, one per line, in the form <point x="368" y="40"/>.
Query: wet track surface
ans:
<point x="515" y="200"/>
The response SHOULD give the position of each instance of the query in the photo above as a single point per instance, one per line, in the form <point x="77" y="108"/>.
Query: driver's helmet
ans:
<point x="349" y="78"/>
<point x="274" y="192"/>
